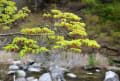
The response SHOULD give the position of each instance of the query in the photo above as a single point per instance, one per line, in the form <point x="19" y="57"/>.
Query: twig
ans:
<point x="18" y="33"/>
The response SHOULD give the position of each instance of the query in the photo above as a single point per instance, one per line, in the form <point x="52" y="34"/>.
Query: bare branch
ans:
<point x="18" y="33"/>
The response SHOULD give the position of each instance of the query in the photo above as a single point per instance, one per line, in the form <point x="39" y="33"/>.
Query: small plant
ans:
<point x="111" y="62"/>
<point x="91" y="61"/>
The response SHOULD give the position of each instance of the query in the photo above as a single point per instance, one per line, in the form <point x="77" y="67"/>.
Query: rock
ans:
<point x="20" y="79"/>
<point x="31" y="79"/>
<point x="35" y="80"/>
<point x="11" y="72"/>
<point x="17" y="62"/>
<point x="45" y="77"/>
<point x="71" y="75"/>
<point x="31" y="69"/>
<point x="89" y="73"/>
<point x="13" y="67"/>
<point x="111" y="76"/>
<point x="97" y="70"/>
<point x="21" y="73"/>
<point x="30" y="62"/>
<point x="36" y="65"/>
<point x="24" y="67"/>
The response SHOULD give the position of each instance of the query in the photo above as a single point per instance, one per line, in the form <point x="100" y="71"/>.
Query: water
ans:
<point x="81" y="75"/>
<point x="66" y="60"/>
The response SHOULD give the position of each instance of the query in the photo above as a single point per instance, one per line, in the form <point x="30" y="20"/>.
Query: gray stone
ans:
<point x="45" y="77"/>
<point x="21" y="73"/>
<point x="17" y="62"/>
<point x="36" y="65"/>
<point x="31" y="79"/>
<point x="20" y="79"/>
<point x="111" y="76"/>
<point x="23" y="66"/>
<point x="13" y="67"/>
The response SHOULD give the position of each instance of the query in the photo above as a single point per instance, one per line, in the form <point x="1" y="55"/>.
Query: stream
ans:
<point x="65" y="61"/>
<point x="82" y="75"/>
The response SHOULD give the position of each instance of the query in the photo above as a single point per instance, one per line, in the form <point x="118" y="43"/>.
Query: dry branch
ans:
<point x="18" y="33"/>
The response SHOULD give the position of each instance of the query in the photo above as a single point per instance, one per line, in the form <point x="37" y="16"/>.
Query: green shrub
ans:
<point x="111" y="62"/>
<point x="90" y="3"/>
<point x="91" y="61"/>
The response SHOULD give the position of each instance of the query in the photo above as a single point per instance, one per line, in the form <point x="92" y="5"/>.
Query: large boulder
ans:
<point x="111" y="76"/>
<point x="20" y="75"/>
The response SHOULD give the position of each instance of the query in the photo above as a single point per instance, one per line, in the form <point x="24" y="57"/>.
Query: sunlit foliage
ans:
<point x="9" y="13"/>
<point x="63" y="20"/>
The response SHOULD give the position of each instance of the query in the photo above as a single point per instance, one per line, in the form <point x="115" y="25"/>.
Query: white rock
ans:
<point x="97" y="70"/>
<point x="13" y="67"/>
<point x="11" y="72"/>
<point x="20" y="79"/>
<point x="17" y="62"/>
<point x="21" y="73"/>
<point x="71" y="75"/>
<point x="45" y="77"/>
<point x="31" y="69"/>
<point x="111" y="76"/>
<point x="36" y="65"/>
<point x="89" y="73"/>
<point x="31" y="79"/>
<point x="35" y="80"/>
